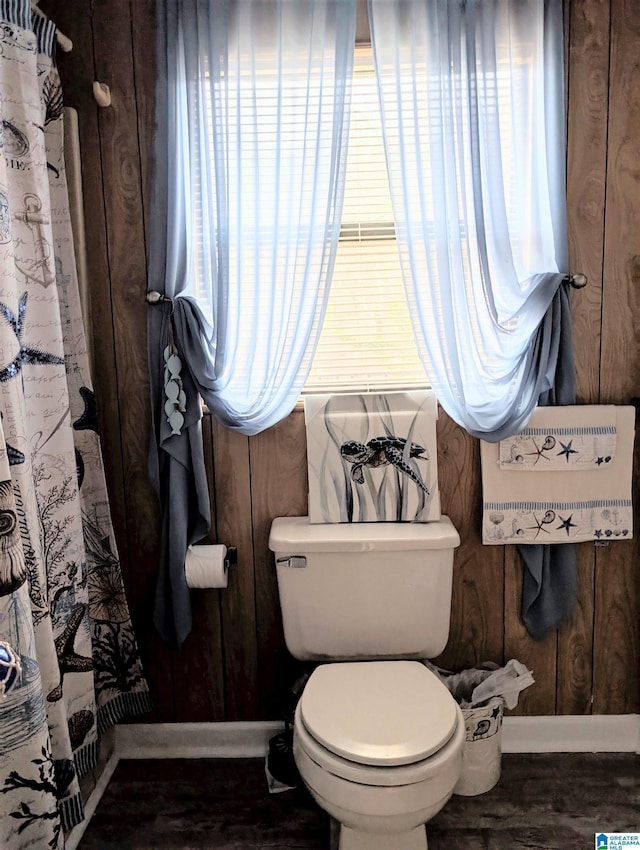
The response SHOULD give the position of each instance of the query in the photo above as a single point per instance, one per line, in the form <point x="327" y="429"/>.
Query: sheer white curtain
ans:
<point x="472" y="101"/>
<point x="252" y="117"/>
<point x="258" y="113"/>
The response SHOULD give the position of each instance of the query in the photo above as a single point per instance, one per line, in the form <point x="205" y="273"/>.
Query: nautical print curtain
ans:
<point x="69" y="665"/>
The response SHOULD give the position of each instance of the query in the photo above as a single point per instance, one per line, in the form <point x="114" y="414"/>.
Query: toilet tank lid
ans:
<point x="291" y="534"/>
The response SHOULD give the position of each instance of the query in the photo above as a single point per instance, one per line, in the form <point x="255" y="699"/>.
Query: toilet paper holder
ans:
<point x="232" y="557"/>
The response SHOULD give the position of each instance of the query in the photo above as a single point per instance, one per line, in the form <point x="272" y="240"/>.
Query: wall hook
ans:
<point x="102" y="94"/>
<point x="64" y="42"/>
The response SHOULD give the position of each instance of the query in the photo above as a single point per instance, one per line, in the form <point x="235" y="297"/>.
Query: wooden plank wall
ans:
<point x="232" y="665"/>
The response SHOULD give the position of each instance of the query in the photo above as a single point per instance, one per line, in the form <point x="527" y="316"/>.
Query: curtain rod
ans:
<point x="64" y="43"/>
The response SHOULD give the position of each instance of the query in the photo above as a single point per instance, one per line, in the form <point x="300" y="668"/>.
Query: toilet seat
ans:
<point x="365" y="716"/>
<point x="368" y="775"/>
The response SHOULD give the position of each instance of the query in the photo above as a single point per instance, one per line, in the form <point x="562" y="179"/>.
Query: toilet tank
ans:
<point x="364" y="591"/>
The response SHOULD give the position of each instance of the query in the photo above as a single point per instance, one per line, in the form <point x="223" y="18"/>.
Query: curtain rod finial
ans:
<point x="577" y="281"/>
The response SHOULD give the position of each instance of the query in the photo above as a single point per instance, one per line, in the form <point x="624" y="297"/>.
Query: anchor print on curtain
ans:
<point x="62" y="605"/>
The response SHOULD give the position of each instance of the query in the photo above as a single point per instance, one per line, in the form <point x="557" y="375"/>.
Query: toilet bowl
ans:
<point x="379" y="746"/>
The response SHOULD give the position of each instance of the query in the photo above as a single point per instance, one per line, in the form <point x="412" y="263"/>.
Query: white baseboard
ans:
<point x="601" y="733"/>
<point x="195" y="740"/>
<point x="594" y="733"/>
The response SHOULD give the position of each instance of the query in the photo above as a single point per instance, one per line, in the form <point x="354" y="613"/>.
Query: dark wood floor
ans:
<point x="547" y="802"/>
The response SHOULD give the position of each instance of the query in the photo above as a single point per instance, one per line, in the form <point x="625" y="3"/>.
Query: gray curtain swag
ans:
<point x="549" y="588"/>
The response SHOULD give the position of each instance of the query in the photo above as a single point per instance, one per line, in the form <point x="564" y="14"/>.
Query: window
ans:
<point x="367" y="340"/>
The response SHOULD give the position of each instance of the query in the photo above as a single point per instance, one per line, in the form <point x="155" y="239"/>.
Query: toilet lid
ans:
<point x="378" y="712"/>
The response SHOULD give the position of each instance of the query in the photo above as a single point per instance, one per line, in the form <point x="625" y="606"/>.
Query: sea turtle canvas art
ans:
<point x="381" y="451"/>
<point x="372" y="457"/>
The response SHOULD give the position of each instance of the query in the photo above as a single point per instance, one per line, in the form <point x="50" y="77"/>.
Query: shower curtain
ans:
<point x="62" y="605"/>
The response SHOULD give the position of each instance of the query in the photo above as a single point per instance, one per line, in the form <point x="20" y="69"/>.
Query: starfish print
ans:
<point x="549" y="443"/>
<point x="548" y="518"/>
<point x="566" y="524"/>
<point x="88" y="421"/>
<point x="68" y="660"/>
<point x="15" y="456"/>
<point x="26" y="354"/>
<point x="601" y="460"/>
<point x="567" y="450"/>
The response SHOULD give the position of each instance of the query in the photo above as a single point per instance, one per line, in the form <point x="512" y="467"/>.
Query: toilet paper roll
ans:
<point x="205" y="566"/>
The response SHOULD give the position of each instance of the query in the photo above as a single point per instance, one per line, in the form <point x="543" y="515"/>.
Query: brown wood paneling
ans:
<point x="198" y="669"/>
<point x="588" y="78"/>
<point x="142" y="33"/>
<point x="575" y="642"/>
<point x="477" y="615"/>
<point x="587" y="105"/>
<point x="127" y="263"/>
<point x="233" y="520"/>
<point x="119" y="148"/>
<point x="588" y="100"/>
<point x="169" y="691"/>
<point x="617" y="598"/>
<point x="615" y="689"/>
<point x="621" y="290"/>
<point x="77" y="74"/>
<point x="538" y="655"/>
<point x="279" y="487"/>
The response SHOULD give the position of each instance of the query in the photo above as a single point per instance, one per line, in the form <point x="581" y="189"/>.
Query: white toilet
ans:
<point x="377" y="737"/>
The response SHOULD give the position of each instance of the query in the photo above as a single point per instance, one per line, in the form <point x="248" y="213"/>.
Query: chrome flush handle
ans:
<point x="296" y="561"/>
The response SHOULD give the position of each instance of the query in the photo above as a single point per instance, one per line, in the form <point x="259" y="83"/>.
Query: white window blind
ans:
<point x="367" y="340"/>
